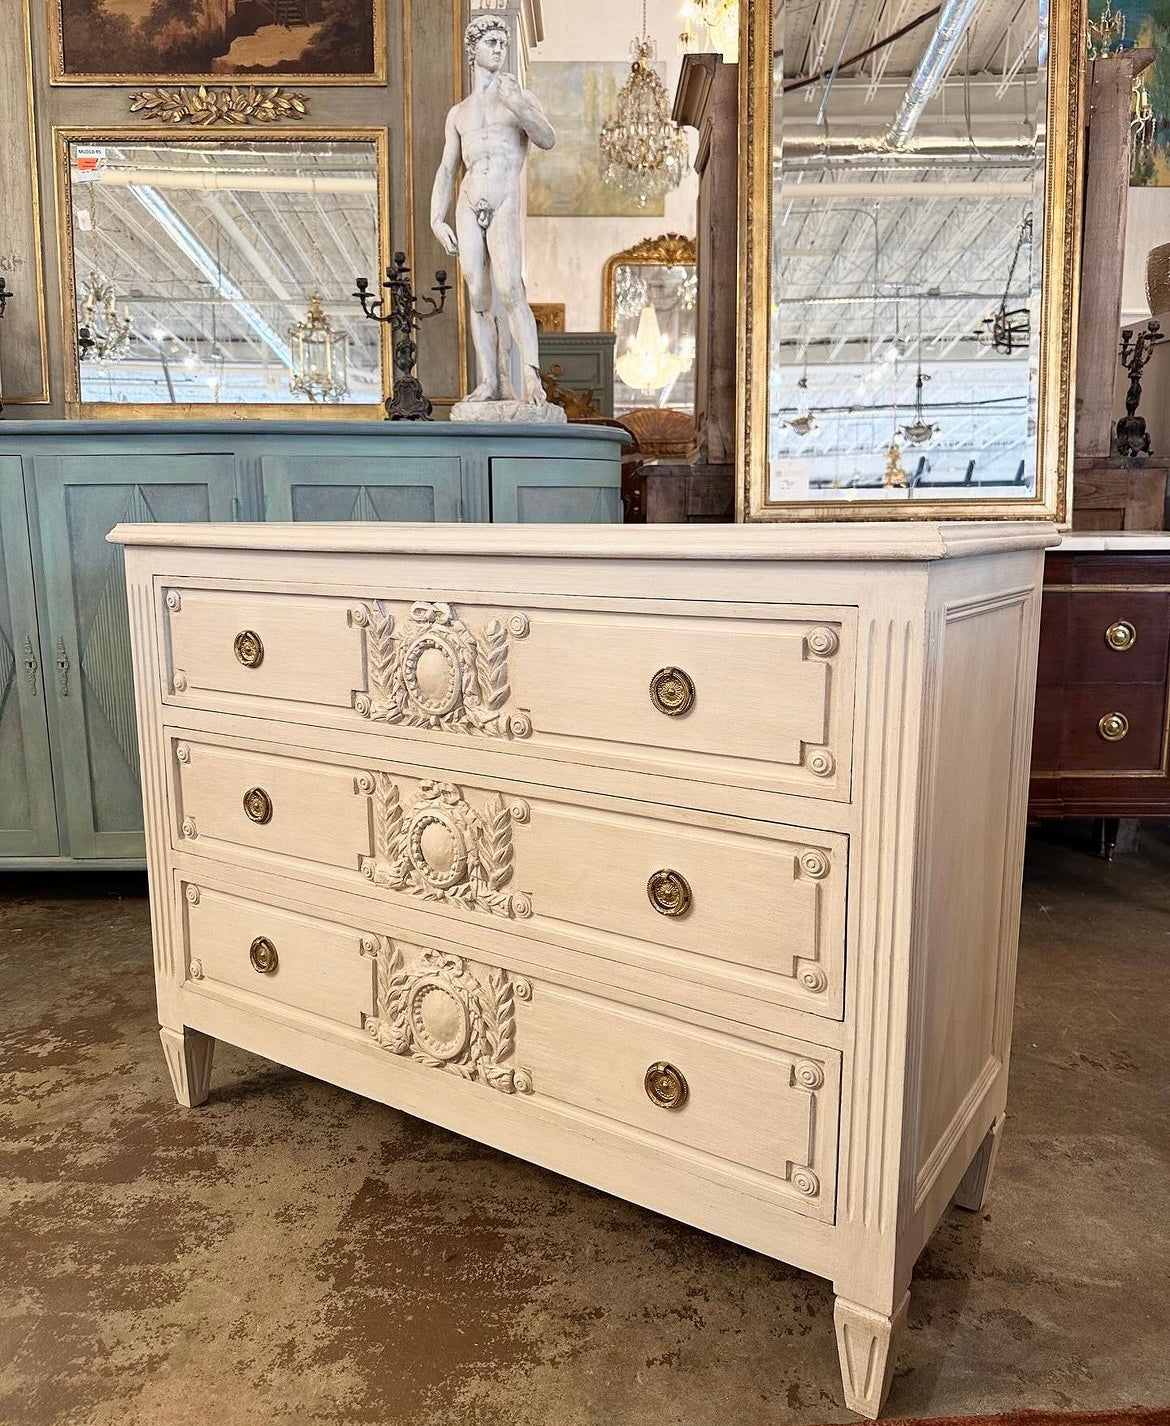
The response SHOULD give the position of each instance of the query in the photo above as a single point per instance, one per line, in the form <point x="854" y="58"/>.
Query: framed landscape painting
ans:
<point x="566" y="181"/>
<point x="205" y="41"/>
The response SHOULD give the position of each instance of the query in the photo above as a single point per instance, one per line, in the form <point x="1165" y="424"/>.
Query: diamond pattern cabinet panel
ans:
<point x="28" y="821"/>
<point x="415" y="488"/>
<point x="87" y="643"/>
<point x="525" y="491"/>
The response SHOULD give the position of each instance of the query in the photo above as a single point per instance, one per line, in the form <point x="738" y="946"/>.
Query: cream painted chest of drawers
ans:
<point x="684" y="861"/>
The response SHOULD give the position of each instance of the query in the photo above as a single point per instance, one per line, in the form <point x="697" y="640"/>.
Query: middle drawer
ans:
<point x="758" y="909"/>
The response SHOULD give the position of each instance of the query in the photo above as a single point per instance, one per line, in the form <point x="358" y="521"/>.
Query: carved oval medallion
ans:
<point x="437" y="849"/>
<point x="433" y="676"/>
<point x="439" y="1020"/>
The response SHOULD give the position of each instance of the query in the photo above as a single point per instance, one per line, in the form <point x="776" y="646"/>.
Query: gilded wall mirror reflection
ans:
<point x="911" y="200"/>
<point x="649" y="294"/>
<point x="217" y="272"/>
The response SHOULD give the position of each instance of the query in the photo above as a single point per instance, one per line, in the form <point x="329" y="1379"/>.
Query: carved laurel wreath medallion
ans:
<point x="442" y="849"/>
<point x="441" y="1015"/>
<point x="433" y="672"/>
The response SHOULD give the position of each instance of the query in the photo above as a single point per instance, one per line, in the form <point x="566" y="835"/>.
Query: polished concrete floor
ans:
<point x="292" y="1254"/>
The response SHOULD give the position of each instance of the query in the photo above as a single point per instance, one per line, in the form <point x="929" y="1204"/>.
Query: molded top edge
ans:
<point x="893" y="540"/>
<point x="373" y="428"/>
<point x="1116" y="541"/>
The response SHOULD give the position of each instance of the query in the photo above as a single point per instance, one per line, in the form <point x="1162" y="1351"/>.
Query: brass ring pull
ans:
<point x="249" y="648"/>
<point x="258" y="805"/>
<point x="1121" y="636"/>
<point x="672" y="692"/>
<point x="666" y="1086"/>
<point x="1113" y="727"/>
<point x="262" y="954"/>
<point x="669" y="893"/>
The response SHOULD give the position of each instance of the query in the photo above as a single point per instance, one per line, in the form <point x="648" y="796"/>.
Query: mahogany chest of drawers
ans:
<point x="684" y="861"/>
<point x="1101" y="744"/>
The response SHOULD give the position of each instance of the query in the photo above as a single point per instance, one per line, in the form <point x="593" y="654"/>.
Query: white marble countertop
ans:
<point x="1117" y="541"/>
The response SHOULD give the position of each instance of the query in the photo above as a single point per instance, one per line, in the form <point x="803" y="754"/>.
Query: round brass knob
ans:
<point x="669" y="893"/>
<point x="672" y="692"/>
<point x="262" y="954"/>
<point x="258" y="805"/>
<point x="1113" y="727"/>
<point x="1121" y="636"/>
<point x="249" y="648"/>
<point x="666" y="1086"/>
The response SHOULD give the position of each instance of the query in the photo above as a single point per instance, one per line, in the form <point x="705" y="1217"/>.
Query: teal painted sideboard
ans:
<point x="69" y="785"/>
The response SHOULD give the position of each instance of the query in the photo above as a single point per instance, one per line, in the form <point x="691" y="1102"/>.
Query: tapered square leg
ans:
<point x="972" y="1190"/>
<point x="867" y="1343"/>
<point x="189" y="1054"/>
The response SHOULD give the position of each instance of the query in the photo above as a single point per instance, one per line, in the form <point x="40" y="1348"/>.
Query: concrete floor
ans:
<point x="292" y="1254"/>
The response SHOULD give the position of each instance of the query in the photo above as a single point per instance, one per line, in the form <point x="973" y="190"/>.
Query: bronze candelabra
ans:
<point x="404" y="312"/>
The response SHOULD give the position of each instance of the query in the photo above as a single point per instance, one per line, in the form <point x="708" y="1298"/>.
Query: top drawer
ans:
<point x="748" y="695"/>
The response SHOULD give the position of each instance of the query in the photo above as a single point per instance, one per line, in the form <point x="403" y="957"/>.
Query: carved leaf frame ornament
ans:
<point x="1062" y="204"/>
<point x="432" y="671"/>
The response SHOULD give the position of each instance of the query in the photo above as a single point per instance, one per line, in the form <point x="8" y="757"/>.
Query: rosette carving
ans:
<point x="433" y="672"/>
<point x="441" y="849"/>
<point x="442" y="1015"/>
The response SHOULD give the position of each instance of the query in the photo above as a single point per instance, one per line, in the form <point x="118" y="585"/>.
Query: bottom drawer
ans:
<point x="761" y="1113"/>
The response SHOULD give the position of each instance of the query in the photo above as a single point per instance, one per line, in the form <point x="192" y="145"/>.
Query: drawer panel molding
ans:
<point x="440" y="1014"/>
<point x="433" y="672"/>
<point x="757" y="696"/>
<point x="752" y="906"/>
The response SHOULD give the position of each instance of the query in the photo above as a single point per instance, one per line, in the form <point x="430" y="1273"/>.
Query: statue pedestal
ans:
<point x="518" y="413"/>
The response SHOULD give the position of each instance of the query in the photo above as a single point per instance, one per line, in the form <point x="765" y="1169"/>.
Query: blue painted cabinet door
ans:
<point x="361" y="487"/>
<point x="546" y="492"/>
<point x="28" y="818"/>
<point x="87" y="640"/>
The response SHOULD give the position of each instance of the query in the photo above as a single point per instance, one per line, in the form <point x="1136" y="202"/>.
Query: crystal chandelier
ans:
<point x="320" y="356"/>
<point x="643" y="150"/>
<point x="648" y="364"/>
<point x="102" y="334"/>
<point x="894" y="476"/>
<point x="713" y="25"/>
<point x="1106" y="32"/>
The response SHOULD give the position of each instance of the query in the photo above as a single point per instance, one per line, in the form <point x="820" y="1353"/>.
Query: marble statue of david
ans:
<point x="490" y="133"/>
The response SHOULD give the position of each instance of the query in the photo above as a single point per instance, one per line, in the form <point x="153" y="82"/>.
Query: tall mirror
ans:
<point x="912" y="189"/>
<point x="210" y="273"/>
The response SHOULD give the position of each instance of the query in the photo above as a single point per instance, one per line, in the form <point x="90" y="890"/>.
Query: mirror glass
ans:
<point x="653" y="305"/>
<point x="907" y="186"/>
<point x="219" y="272"/>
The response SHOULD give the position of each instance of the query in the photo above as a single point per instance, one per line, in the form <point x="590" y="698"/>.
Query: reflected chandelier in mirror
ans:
<point x="909" y="244"/>
<point x="216" y="272"/>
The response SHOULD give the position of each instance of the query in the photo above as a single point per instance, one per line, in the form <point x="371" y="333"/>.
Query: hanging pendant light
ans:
<point x="804" y="422"/>
<point x="320" y="356"/>
<point x="644" y="152"/>
<point x="918" y="431"/>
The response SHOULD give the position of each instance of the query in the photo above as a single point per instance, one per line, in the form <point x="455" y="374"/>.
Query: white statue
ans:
<point x="490" y="131"/>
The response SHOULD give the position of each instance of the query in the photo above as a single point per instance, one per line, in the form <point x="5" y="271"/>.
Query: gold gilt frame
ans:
<point x="668" y="250"/>
<point x="1060" y="277"/>
<point x="344" y="411"/>
<point x="59" y="75"/>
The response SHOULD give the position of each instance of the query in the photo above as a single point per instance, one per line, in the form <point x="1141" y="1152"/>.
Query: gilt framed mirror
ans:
<point x="200" y="274"/>
<point x="649" y="294"/>
<point x="910" y="198"/>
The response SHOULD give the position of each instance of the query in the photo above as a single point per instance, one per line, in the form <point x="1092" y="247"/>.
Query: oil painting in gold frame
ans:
<point x="213" y="41"/>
